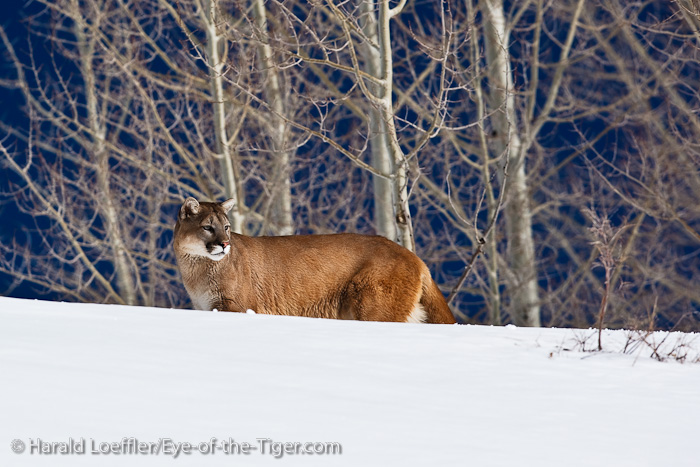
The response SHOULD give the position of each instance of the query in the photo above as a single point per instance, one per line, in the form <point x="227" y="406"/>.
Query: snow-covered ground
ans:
<point x="390" y="394"/>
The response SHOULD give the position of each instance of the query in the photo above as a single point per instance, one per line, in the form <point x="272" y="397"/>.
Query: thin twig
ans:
<point x="481" y="240"/>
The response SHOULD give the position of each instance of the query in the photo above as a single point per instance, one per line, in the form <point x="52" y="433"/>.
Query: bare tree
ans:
<point x="215" y="47"/>
<point x="380" y="145"/>
<point x="84" y="124"/>
<point x="281" y="201"/>
<point x="479" y="134"/>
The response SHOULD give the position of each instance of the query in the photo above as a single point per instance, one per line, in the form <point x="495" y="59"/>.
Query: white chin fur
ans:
<point x="200" y="250"/>
<point x="219" y="253"/>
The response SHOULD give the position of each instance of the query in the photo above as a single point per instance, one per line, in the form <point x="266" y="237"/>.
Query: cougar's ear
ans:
<point x="228" y="205"/>
<point x="189" y="208"/>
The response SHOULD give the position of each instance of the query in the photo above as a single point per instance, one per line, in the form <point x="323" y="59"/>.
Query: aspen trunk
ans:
<point x="281" y="199"/>
<point x="214" y="47"/>
<point x="523" y="288"/>
<point x="402" y="213"/>
<point x="382" y="159"/>
<point x="86" y="46"/>
<point x="386" y="149"/>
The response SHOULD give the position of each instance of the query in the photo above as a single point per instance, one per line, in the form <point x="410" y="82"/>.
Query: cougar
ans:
<point x="339" y="276"/>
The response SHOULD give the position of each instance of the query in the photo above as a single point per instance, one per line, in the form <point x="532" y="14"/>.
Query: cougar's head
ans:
<point x="203" y="229"/>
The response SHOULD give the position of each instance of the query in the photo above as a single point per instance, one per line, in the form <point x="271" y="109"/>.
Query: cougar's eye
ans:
<point x="207" y="228"/>
<point x="227" y="228"/>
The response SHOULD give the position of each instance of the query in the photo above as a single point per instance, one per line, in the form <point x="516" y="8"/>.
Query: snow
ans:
<point x="390" y="394"/>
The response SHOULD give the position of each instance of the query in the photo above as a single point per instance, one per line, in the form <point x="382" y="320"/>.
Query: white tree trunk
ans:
<point x="382" y="101"/>
<point x="506" y="141"/>
<point x="281" y="199"/>
<point x="124" y="278"/>
<point x="214" y="47"/>
<point x="382" y="159"/>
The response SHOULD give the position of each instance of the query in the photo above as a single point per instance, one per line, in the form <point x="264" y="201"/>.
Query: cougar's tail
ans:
<point x="434" y="303"/>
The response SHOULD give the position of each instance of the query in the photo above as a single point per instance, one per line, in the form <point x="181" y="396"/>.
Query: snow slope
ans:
<point x="390" y="394"/>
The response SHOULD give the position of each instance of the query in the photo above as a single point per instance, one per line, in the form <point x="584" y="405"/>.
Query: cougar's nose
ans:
<point x="224" y="244"/>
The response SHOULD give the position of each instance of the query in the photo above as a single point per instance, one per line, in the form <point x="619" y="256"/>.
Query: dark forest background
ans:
<point x="560" y="139"/>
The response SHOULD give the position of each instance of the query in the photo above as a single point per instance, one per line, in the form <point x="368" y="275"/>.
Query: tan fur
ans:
<point x="342" y="276"/>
